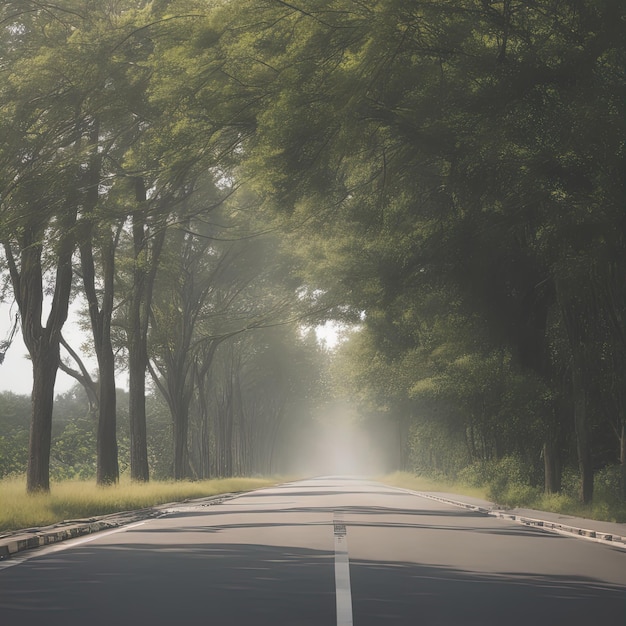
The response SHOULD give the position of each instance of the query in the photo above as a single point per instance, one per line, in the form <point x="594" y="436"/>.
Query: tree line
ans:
<point x="447" y="175"/>
<point x="462" y="168"/>
<point x="249" y="421"/>
<point x="107" y="195"/>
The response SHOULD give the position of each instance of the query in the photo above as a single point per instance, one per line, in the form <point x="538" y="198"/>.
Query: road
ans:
<point x="322" y="552"/>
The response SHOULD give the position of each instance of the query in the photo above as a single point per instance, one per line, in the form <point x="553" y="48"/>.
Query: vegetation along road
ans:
<point x="192" y="192"/>
<point x="318" y="552"/>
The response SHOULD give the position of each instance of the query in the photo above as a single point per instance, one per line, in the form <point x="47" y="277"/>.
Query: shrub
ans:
<point x="570" y="483"/>
<point x="607" y="484"/>
<point x="508" y="480"/>
<point x="475" y="475"/>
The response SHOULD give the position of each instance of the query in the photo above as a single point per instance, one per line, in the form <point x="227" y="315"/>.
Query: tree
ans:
<point x="221" y="277"/>
<point x="431" y="143"/>
<point x="40" y="180"/>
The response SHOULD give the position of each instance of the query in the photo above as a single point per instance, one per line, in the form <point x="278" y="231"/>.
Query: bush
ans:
<point x="435" y="453"/>
<point x="13" y="453"/>
<point x="508" y="480"/>
<point x="607" y="484"/>
<point x="73" y="451"/>
<point x="475" y="475"/>
<point x="570" y="483"/>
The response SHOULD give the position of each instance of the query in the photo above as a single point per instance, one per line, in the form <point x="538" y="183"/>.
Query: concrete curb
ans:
<point x="27" y="539"/>
<point x="566" y="529"/>
<point x="36" y="538"/>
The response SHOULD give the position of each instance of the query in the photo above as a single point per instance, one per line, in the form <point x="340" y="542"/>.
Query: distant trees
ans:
<point x="245" y="416"/>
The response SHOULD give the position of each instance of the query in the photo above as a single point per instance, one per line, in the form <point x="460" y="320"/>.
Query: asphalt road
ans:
<point x="319" y="552"/>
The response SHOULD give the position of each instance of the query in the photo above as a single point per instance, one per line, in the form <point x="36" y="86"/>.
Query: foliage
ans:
<point x="14" y="421"/>
<point x="517" y="494"/>
<point x="72" y="452"/>
<point x="13" y="453"/>
<point x="457" y="169"/>
<point x="446" y="176"/>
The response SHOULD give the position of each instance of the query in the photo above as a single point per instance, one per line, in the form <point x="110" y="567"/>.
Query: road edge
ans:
<point x="30" y="538"/>
<point x="617" y="541"/>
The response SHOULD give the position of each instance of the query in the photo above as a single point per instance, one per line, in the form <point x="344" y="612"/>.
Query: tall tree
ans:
<point x="221" y="277"/>
<point x="40" y="169"/>
<point x="435" y="143"/>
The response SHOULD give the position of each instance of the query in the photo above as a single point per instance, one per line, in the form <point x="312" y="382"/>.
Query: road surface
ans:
<point x="322" y="552"/>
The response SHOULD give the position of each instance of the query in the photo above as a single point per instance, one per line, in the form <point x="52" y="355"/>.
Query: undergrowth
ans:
<point x="79" y="499"/>
<point x="406" y="480"/>
<point x="506" y="484"/>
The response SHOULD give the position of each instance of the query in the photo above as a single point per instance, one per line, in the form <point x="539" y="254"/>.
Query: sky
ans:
<point x="16" y="371"/>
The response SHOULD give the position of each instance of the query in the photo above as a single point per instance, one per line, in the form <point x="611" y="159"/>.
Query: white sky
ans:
<point x="16" y="372"/>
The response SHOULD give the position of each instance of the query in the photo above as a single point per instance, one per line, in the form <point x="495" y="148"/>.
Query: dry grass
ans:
<point x="406" y="480"/>
<point x="77" y="499"/>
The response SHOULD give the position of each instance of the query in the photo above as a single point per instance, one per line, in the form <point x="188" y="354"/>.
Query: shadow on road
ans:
<point x="435" y="595"/>
<point x="158" y="585"/>
<point x="264" y="585"/>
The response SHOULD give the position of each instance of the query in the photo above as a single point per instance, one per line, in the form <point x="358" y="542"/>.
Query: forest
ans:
<point x="213" y="179"/>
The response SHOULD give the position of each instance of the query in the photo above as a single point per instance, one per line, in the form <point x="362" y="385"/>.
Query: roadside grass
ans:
<point x="603" y="508"/>
<point x="406" y="480"/>
<point x="78" y="499"/>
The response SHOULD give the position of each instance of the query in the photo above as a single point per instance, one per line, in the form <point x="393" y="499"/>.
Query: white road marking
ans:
<point x="62" y="545"/>
<point x="343" y="592"/>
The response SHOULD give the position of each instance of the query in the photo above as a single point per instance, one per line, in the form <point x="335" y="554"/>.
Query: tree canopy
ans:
<point x="447" y="176"/>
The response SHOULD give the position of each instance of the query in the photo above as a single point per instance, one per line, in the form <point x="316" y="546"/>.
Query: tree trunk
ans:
<point x="578" y="322"/>
<point x="144" y="274"/>
<point x="107" y="468"/>
<point x="137" y="360"/>
<point x="622" y="459"/>
<point x="202" y="369"/>
<point x="228" y="443"/>
<point x="179" y="400"/>
<point x="45" y="360"/>
<point x="43" y="343"/>
<point x="552" y="449"/>
<point x="205" y="449"/>
<point x="583" y="446"/>
<point x="182" y="469"/>
<point x="107" y="471"/>
<point x="552" y="467"/>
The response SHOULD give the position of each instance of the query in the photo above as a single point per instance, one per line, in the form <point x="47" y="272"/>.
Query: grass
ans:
<point x="518" y="496"/>
<point x="601" y="510"/>
<point x="406" y="480"/>
<point x="77" y="499"/>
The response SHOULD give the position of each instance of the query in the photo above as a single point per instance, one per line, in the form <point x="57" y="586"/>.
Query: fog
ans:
<point x="339" y="442"/>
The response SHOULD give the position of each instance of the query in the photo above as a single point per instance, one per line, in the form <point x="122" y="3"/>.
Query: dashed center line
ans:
<point x="343" y="592"/>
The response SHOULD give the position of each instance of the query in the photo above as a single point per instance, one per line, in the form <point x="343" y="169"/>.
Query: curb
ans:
<point x="39" y="537"/>
<point x="30" y="538"/>
<point x="572" y="531"/>
<point x="612" y="539"/>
